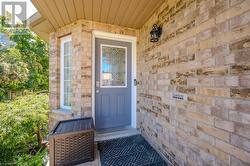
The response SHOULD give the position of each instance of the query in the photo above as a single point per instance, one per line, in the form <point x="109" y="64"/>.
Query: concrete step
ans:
<point x="107" y="135"/>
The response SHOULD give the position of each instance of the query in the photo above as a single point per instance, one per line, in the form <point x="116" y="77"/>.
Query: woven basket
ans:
<point x="71" y="148"/>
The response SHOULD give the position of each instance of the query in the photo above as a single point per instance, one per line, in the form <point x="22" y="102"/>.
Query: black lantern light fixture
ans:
<point x="155" y="33"/>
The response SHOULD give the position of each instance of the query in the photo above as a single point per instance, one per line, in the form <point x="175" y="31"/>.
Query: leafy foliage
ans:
<point x="14" y="72"/>
<point x="24" y="66"/>
<point x="23" y="124"/>
<point x="23" y="121"/>
<point x="31" y="160"/>
<point x="34" y="52"/>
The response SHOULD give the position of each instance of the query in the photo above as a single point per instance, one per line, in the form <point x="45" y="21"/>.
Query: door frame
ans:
<point x="124" y="38"/>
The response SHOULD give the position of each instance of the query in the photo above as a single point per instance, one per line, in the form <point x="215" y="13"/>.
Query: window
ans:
<point x="66" y="74"/>
<point x="113" y="66"/>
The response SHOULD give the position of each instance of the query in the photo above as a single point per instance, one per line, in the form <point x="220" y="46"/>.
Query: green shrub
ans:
<point x="23" y="124"/>
<point x="31" y="160"/>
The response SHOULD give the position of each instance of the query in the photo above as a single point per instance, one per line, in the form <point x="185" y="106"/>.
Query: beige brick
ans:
<point x="242" y="130"/>
<point x="242" y="106"/>
<point x="219" y="71"/>
<point x="239" y="57"/>
<point x="232" y="81"/>
<point x="209" y="43"/>
<point x="238" y="153"/>
<point x="221" y="50"/>
<point x="221" y="28"/>
<point x="200" y="117"/>
<point x="240" y="142"/>
<point x="233" y="35"/>
<point x="200" y="81"/>
<point x="205" y="25"/>
<point x="223" y="92"/>
<point x="205" y="147"/>
<point x="240" y="93"/>
<point x="240" y="20"/>
<point x="220" y="6"/>
<point x="240" y="44"/>
<point x="234" y="11"/>
<point x="237" y="162"/>
<point x="208" y="62"/>
<point x="224" y="124"/>
<point x="229" y="60"/>
<point x="235" y="2"/>
<point x="202" y="100"/>
<point x="240" y="69"/>
<point x="205" y="34"/>
<point x="219" y="81"/>
<point x="219" y="112"/>
<point x="239" y="117"/>
<point x="223" y="135"/>
<point x="225" y="103"/>
<point x="190" y="90"/>
<point x="219" y="163"/>
<point x="220" y="60"/>
<point x="244" y="81"/>
<point x="192" y="82"/>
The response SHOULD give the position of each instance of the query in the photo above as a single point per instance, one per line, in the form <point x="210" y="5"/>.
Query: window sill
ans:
<point x="63" y="111"/>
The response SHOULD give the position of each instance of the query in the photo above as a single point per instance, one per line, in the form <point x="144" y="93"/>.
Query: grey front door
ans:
<point x="112" y="84"/>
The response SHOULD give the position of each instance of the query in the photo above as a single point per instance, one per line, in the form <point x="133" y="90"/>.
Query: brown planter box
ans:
<point x="72" y="142"/>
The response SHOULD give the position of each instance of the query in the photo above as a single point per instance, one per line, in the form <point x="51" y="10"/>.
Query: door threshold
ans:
<point x="118" y="133"/>
<point x="113" y="129"/>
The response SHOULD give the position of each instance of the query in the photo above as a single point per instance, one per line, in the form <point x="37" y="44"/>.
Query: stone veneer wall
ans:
<point x="81" y="33"/>
<point x="203" y="53"/>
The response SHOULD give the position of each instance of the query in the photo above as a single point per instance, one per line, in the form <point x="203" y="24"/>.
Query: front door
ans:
<point x="112" y="84"/>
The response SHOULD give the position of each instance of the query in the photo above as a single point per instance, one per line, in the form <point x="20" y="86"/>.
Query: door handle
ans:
<point x="97" y="91"/>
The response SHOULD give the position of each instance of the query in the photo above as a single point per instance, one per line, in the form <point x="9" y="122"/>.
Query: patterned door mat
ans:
<point x="129" y="151"/>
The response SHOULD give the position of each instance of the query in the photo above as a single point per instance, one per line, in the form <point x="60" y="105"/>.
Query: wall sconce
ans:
<point x="155" y="33"/>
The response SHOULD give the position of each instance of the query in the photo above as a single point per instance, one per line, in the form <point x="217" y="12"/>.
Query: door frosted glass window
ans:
<point x="113" y="66"/>
<point x="67" y="73"/>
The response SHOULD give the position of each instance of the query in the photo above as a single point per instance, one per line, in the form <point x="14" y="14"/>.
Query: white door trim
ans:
<point x="118" y="37"/>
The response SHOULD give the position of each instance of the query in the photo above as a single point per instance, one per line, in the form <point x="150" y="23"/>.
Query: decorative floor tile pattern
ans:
<point x="129" y="151"/>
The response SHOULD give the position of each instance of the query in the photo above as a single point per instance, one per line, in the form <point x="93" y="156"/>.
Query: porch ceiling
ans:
<point x="54" y="14"/>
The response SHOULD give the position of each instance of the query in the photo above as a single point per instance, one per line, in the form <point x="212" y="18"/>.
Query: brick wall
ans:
<point x="81" y="33"/>
<point x="204" y="54"/>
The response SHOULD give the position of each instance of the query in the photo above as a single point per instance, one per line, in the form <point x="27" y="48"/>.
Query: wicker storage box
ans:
<point x="72" y="142"/>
